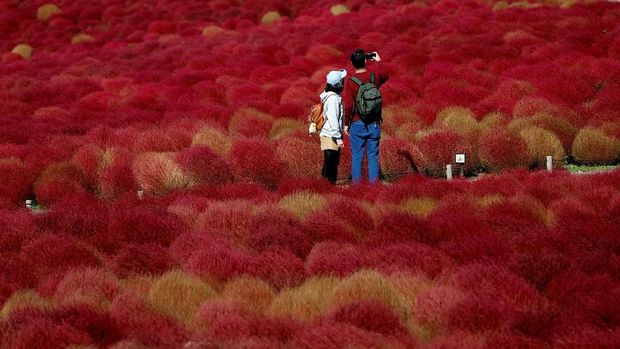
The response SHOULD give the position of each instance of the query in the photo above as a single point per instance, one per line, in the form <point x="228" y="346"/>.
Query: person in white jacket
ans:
<point x="332" y="131"/>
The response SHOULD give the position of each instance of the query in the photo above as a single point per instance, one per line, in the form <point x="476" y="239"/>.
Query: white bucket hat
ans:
<point x="335" y="76"/>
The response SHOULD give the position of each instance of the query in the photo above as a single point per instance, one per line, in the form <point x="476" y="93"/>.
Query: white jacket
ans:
<point x="333" y="111"/>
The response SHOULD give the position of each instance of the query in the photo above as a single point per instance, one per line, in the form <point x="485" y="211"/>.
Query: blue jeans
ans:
<point x="368" y="136"/>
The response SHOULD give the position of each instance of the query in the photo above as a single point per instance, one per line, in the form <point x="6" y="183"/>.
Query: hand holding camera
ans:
<point x="373" y="56"/>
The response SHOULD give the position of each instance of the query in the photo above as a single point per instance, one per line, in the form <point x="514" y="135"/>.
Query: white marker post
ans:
<point x="549" y="163"/>
<point x="459" y="159"/>
<point x="449" y="172"/>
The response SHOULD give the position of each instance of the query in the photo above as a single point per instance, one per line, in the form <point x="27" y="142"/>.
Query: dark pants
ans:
<point x="330" y="165"/>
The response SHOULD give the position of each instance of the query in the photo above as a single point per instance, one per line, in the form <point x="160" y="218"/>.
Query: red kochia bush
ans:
<point x="228" y="321"/>
<point x="101" y="328"/>
<point x="204" y="166"/>
<point x="331" y="258"/>
<point x="141" y="259"/>
<point x="78" y="215"/>
<point x="331" y="334"/>
<point x="409" y="257"/>
<point x="371" y="316"/>
<point x="88" y="159"/>
<point x="255" y="160"/>
<point x="49" y="253"/>
<point x="500" y="151"/>
<point x="15" y="180"/>
<point x="280" y="268"/>
<point x="394" y="227"/>
<point x="18" y="227"/>
<point x="278" y="229"/>
<point x="438" y="149"/>
<point x="139" y="322"/>
<point x="219" y="261"/>
<point x="585" y="299"/>
<point x="41" y="333"/>
<point x="142" y="224"/>
<point x="117" y="178"/>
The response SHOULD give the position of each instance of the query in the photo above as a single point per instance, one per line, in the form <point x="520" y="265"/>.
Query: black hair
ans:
<point x="334" y="88"/>
<point x="358" y="59"/>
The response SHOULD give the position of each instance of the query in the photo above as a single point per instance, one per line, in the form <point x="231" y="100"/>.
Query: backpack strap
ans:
<point x="372" y="78"/>
<point x="357" y="81"/>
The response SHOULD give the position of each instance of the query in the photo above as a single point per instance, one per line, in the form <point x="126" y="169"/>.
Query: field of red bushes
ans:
<point x="236" y="242"/>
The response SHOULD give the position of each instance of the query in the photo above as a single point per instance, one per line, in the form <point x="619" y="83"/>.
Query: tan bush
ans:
<point x="530" y="105"/>
<point x="408" y="130"/>
<point x="214" y="138"/>
<point x="558" y="125"/>
<point x="211" y="30"/>
<point x="368" y="285"/>
<point x="420" y="207"/>
<point x="515" y="126"/>
<point x="158" y="174"/>
<point x="270" y="17"/>
<point x="23" y="50"/>
<point x="304" y="203"/>
<point x="394" y="116"/>
<point x="44" y="12"/>
<point x="284" y="126"/>
<point x="339" y="9"/>
<point x="305" y="302"/>
<point x="594" y="147"/>
<point x="408" y="287"/>
<point x="541" y="143"/>
<point x="458" y="119"/>
<point x="500" y="5"/>
<point x="23" y="299"/>
<point x="253" y="293"/>
<point x="82" y="37"/>
<point x="179" y="295"/>
<point x="491" y="121"/>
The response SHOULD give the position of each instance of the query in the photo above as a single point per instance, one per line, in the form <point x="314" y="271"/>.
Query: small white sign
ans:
<point x="460" y="158"/>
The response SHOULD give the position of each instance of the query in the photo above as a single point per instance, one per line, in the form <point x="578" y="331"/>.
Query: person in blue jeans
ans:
<point x="363" y="134"/>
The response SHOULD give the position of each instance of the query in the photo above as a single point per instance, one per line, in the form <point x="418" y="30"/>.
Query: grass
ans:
<point x="584" y="168"/>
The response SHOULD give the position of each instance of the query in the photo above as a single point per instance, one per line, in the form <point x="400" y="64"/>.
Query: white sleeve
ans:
<point x="333" y="114"/>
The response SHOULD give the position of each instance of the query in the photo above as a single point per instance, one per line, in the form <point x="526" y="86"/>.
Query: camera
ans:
<point x="371" y="55"/>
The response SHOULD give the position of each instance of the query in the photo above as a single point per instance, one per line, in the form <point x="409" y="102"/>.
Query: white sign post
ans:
<point x="549" y="163"/>
<point x="449" y="172"/>
<point x="459" y="159"/>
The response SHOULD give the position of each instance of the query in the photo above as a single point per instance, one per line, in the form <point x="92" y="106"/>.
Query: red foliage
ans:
<point x="438" y="149"/>
<point x="204" y="166"/>
<point x="18" y="228"/>
<point x="255" y="160"/>
<point x="219" y="261"/>
<point x="370" y="316"/>
<point x="409" y="257"/>
<point x="330" y="334"/>
<point x="100" y="327"/>
<point x="229" y="321"/>
<point x="79" y="215"/>
<point x="49" y="253"/>
<point x="394" y="227"/>
<point x="141" y="224"/>
<point x="40" y="333"/>
<point x="15" y="180"/>
<point x="332" y="258"/>
<point x="280" y="230"/>
<point x="141" y="259"/>
<point x="280" y="268"/>
<point x="137" y="321"/>
<point x="500" y="151"/>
